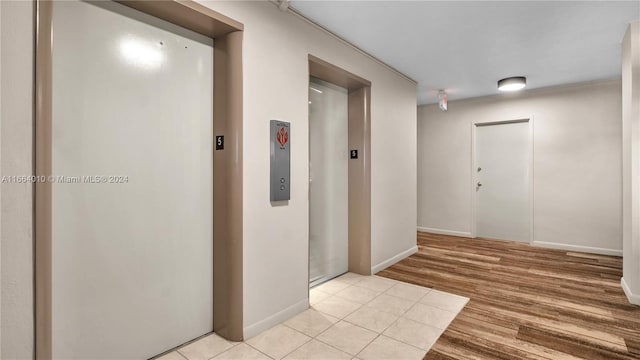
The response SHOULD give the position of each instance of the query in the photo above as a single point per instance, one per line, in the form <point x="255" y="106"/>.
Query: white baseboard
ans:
<point x="275" y="319"/>
<point x="633" y="298"/>
<point x="577" y="248"/>
<point x="394" y="259"/>
<point x="445" y="232"/>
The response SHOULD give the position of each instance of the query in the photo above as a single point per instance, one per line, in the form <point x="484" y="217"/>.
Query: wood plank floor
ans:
<point x="526" y="302"/>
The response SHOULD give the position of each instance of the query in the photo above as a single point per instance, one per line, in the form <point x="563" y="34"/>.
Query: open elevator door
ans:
<point x="328" y="181"/>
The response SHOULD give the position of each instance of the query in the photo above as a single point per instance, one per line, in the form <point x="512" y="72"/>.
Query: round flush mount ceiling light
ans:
<point x="512" y="83"/>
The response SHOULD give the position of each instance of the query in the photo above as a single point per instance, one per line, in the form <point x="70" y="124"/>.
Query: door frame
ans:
<point x="472" y="185"/>
<point x="359" y="173"/>
<point x="227" y="189"/>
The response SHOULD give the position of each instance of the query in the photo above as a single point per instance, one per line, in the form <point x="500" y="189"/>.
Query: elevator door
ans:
<point x="328" y="181"/>
<point x="133" y="207"/>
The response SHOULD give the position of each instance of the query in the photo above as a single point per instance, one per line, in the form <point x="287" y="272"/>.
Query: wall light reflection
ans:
<point x="140" y="53"/>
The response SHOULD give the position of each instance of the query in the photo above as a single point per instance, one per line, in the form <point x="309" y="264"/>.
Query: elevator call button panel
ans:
<point x="280" y="160"/>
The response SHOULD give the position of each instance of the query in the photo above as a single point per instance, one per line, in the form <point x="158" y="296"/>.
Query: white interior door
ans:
<point x="328" y="181"/>
<point x="503" y="175"/>
<point x="132" y="256"/>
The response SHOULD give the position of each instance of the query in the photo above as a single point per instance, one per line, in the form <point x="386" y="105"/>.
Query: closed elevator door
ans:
<point x="328" y="181"/>
<point x="502" y="173"/>
<point x="133" y="207"/>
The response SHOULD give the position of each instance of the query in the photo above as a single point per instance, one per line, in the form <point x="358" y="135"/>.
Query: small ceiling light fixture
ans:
<point x="512" y="83"/>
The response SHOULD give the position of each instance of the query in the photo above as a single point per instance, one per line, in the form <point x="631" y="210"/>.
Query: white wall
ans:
<point x="16" y="131"/>
<point x="577" y="163"/>
<point x="276" y="47"/>
<point x="631" y="162"/>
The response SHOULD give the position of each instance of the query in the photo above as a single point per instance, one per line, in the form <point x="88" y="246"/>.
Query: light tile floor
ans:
<point x="351" y="317"/>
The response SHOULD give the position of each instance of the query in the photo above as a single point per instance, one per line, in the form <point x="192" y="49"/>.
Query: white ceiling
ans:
<point x="465" y="47"/>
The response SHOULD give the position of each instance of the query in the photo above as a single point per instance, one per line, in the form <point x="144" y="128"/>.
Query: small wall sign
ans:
<point x="353" y="154"/>
<point x="220" y="142"/>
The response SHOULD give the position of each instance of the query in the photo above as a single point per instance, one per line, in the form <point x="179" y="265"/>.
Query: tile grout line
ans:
<point x="258" y="350"/>
<point x="362" y="305"/>
<point x="406" y="343"/>
<point x="344" y="319"/>
<point x="393" y="283"/>
<point x="381" y="333"/>
<point x="294" y="350"/>
<point x="366" y="346"/>
<point x="316" y="339"/>
<point x="301" y="345"/>
<point x="402" y="316"/>
<point x="180" y="354"/>
<point x="342" y="351"/>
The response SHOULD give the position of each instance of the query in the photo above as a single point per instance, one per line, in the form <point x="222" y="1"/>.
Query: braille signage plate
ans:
<point x="353" y="154"/>
<point x="220" y="142"/>
<point x="280" y="142"/>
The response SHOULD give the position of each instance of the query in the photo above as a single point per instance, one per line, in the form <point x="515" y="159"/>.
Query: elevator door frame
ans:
<point x="227" y="189"/>
<point x="359" y="172"/>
